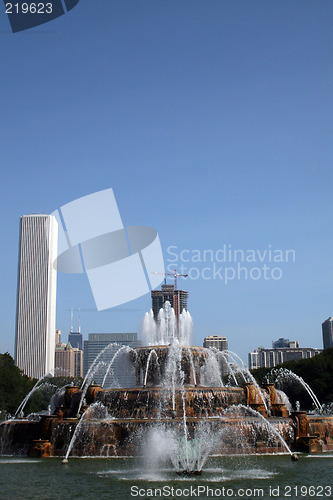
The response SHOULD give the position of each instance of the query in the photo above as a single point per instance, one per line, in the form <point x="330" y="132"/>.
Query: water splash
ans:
<point x="164" y="445"/>
<point x="152" y="353"/>
<point x="282" y="374"/>
<point x="94" y="364"/>
<point x="167" y="330"/>
<point x="149" y="329"/>
<point x="36" y="387"/>
<point x="92" y="372"/>
<point x="96" y="411"/>
<point x="266" y="423"/>
<point x="122" y="349"/>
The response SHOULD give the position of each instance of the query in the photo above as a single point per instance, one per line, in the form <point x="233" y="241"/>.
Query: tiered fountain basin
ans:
<point x="169" y="396"/>
<point x="145" y="403"/>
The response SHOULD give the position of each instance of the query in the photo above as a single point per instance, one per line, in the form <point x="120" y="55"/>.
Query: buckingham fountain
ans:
<point x="175" y="407"/>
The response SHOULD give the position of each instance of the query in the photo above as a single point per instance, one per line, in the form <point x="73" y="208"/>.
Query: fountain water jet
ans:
<point x="266" y="423"/>
<point x="38" y="386"/>
<point x="283" y="373"/>
<point x="95" y="410"/>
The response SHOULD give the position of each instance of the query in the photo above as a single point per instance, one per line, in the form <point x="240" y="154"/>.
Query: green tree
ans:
<point x="13" y="385"/>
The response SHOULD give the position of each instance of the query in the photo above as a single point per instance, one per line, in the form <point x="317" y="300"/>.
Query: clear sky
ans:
<point x="212" y="122"/>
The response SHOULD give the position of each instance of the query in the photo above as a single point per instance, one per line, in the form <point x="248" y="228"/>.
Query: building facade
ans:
<point x="36" y="295"/>
<point x="57" y="336"/>
<point x="68" y="361"/>
<point x="221" y="344"/>
<point x="268" y="358"/>
<point x="120" y="374"/>
<point x="177" y="299"/>
<point x="327" y="329"/>
<point x="282" y="342"/>
<point x="76" y="340"/>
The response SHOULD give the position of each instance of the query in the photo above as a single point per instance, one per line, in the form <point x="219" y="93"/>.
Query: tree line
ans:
<point x="14" y="386"/>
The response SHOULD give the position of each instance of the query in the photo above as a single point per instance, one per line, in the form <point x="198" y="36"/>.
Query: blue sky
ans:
<point x="211" y="121"/>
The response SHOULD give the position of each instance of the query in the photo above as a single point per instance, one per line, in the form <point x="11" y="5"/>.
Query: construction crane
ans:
<point x="175" y="275"/>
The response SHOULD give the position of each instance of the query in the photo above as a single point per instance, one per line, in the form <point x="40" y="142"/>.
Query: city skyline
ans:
<point x="155" y="294"/>
<point x="212" y="124"/>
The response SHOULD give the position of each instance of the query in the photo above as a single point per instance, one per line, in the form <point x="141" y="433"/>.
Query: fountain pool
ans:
<point x="125" y="478"/>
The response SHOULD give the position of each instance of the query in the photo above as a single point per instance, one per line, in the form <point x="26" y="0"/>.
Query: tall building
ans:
<point x="254" y="359"/>
<point x="120" y="374"/>
<point x="327" y="328"/>
<point x="177" y="299"/>
<point x="221" y="344"/>
<point x="57" y="336"/>
<point x="36" y="295"/>
<point x="68" y="360"/>
<point x="76" y="340"/>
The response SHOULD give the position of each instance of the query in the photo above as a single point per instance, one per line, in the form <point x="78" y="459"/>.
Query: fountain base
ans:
<point x="218" y="415"/>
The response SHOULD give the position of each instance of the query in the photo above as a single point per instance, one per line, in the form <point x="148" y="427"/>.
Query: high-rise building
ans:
<point x="118" y="373"/>
<point x="76" y="340"/>
<point x="68" y="361"/>
<point x="36" y="295"/>
<point x="177" y="299"/>
<point x="327" y="328"/>
<point x="221" y="344"/>
<point x="57" y="336"/>
<point x="254" y="359"/>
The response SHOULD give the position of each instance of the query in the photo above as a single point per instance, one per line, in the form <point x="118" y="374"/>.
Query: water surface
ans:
<point x="125" y="478"/>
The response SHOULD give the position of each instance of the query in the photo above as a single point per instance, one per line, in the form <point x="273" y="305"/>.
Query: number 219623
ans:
<point x="26" y="8"/>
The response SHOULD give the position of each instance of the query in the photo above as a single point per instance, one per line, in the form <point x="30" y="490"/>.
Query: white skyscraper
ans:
<point x="36" y="295"/>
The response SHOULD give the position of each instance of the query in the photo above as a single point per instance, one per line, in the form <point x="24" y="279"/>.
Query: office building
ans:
<point x="327" y="328"/>
<point x="68" y="361"/>
<point x="36" y="295"/>
<point x="121" y="373"/>
<point x="221" y="344"/>
<point x="76" y="339"/>
<point x="177" y="299"/>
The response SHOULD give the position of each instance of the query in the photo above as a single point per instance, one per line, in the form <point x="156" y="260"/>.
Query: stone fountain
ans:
<point x="177" y="408"/>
